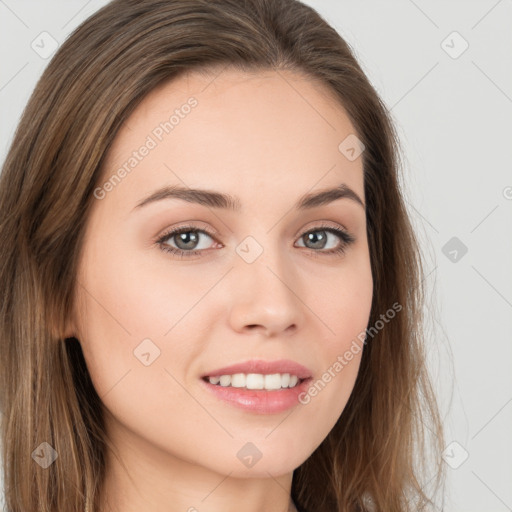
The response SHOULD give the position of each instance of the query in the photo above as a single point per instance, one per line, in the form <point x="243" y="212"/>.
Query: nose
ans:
<point x="265" y="297"/>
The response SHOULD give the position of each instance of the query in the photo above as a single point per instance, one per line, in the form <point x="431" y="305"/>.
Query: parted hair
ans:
<point x="375" y="457"/>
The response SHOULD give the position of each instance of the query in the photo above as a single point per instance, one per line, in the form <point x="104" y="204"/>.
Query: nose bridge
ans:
<point x="263" y="287"/>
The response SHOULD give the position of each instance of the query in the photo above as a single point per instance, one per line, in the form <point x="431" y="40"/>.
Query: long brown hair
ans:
<point x="371" y="458"/>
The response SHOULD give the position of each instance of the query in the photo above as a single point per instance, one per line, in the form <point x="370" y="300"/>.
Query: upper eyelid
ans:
<point x="184" y="229"/>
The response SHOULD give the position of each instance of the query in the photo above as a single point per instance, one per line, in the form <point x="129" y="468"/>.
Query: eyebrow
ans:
<point x="215" y="199"/>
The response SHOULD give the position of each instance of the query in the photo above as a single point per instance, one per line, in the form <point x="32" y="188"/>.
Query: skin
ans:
<point x="268" y="138"/>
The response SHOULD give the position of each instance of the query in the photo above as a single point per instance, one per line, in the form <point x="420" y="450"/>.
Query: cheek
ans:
<point x="130" y="307"/>
<point x="125" y="311"/>
<point x="343" y="308"/>
<point x="136" y="298"/>
<point x="343" y="302"/>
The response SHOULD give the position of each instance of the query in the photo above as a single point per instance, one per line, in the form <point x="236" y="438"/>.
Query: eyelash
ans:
<point x="345" y="237"/>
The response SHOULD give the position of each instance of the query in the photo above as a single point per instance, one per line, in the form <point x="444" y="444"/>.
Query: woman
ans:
<point x="212" y="289"/>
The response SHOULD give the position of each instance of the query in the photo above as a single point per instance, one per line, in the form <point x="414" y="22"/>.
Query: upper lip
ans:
<point x="263" y="367"/>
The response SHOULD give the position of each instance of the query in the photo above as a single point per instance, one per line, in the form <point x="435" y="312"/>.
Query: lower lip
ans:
<point x="261" y="401"/>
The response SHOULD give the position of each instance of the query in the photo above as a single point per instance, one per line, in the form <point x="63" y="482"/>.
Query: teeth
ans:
<point x="256" y="380"/>
<point x="225" y="380"/>
<point x="238" y="380"/>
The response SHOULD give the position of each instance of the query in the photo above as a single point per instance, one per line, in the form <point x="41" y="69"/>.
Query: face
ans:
<point x="262" y="277"/>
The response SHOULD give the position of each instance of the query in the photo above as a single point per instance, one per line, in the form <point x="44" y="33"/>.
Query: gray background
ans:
<point x="453" y="111"/>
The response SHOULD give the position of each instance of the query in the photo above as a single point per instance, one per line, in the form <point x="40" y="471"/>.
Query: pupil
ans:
<point x="188" y="239"/>
<point x="318" y="241"/>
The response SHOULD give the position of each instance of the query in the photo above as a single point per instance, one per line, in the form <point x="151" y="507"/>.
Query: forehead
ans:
<point x="233" y="129"/>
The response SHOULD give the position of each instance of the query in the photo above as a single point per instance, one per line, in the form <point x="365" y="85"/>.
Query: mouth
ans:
<point x="257" y="381"/>
<point x="259" y="394"/>
<point x="259" y="374"/>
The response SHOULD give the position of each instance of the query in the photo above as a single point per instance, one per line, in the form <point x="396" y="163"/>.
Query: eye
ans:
<point x="187" y="241"/>
<point x="323" y="237"/>
<point x="191" y="241"/>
